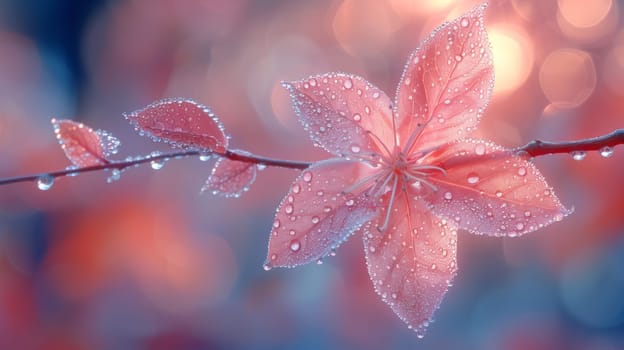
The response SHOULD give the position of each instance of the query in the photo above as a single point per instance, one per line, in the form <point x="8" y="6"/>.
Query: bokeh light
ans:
<point x="513" y="57"/>
<point x="567" y="77"/>
<point x="584" y="14"/>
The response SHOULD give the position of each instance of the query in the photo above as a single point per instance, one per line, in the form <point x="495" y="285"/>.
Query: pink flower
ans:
<point x="407" y="174"/>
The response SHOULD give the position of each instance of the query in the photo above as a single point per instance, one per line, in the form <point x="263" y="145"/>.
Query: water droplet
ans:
<point x="332" y="252"/>
<point x="315" y="219"/>
<point x="350" y="202"/>
<point x="296" y="188"/>
<point x="355" y="149"/>
<point x="319" y="261"/>
<point x="448" y="196"/>
<point x="291" y="232"/>
<point x="295" y="245"/>
<point x="307" y="176"/>
<point x="115" y="175"/>
<point x="499" y="194"/>
<point x="348" y="83"/>
<point x="480" y="149"/>
<point x="260" y="166"/>
<point x="472" y="178"/>
<point x="289" y="209"/>
<point x="458" y="58"/>
<point x="578" y="155"/>
<point x="527" y="213"/>
<point x="45" y="182"/>
<point x="522" y="171"/>
<point x="465" y="22"/>
<point x="371" y="249"/>
<point x="447" y="101"/>
<point x="519" y="226"/>
<point x="606" y="151"/>
<point x="276" y="223"/>
<point x="376" y="94"/>
<point x="157" y="164"/>
<point x="267" y="267"/>
<point x="205" y="157"/>
<point x="434" y="266"/>
<point x="357" y="117"/>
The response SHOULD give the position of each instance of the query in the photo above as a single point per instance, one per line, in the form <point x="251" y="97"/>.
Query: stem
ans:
<point x="534" y="148"/>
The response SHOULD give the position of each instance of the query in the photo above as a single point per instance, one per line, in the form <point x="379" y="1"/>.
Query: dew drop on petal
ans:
<point x="480" y="149"/>
<point x="522" y="171"/>
<point x="355" y="149"/>
<point x="606" y="151"/>
<point x="357" y="117"/>
<point x="45" y="182"/>
<point x="519" y="226"/>
<point x="267" y="267"/>
<point x="458" y="58"/>
<point x="448" y="196"/>
<point x="578" y="155"/>
<point x="465" y="22"/>
<point x="499" y="194"/>
<point x="276" y="223"/>
<point x="289" y="209"/>
<point x="350" y="202"/>
<point x="295" y="245"/>
<point x="315" y="219"/>
<point x="348" y="83"/>
<point x="447" y="101"/>
<point x="527" y="213"/>
<point x="307" y="176"/>
<point x="472" y="178"/>
<point x="296" y="188"/>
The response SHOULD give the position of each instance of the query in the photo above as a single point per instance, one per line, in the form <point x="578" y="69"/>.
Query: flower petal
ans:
<point x="340" y="111"/>
<point x="412" y="262"/>
<point x="316" y="216"/>
<point x="182" y="123"/>
<point x="446" y="84"/>
<point x="489" y="190"/>
<point x="230" y="178"/>
<point x="82" y="145"/>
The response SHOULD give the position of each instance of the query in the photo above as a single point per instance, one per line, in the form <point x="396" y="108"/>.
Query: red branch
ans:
<point x="534" y="148"/>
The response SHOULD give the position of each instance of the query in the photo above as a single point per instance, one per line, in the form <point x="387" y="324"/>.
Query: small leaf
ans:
<point x="182" y="123"/>
<point x="230" y="178"/>
<point x="83" y="146"/>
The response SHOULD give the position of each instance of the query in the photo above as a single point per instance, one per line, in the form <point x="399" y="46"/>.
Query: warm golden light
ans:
<point x="513" y="57"/>
<point x="567" y="77"/>
<point x="583" y="13"/>
<point x="415" y="7"/>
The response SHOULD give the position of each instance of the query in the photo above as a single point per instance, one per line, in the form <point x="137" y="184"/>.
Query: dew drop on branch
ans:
<point x="578" y="155"/>
<point x="606" y="151"/>
<point x="115" y="175"/>
<point x="45" y="182"/>
<point x="157" y="164"/>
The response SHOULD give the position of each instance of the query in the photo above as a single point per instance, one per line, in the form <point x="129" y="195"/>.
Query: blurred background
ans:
<point x="148" y="263"/>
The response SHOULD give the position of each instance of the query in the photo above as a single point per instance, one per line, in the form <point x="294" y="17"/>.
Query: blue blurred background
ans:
<point x="147" y="263"/>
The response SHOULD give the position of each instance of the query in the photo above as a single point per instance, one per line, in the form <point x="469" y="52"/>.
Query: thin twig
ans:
<point x="534" y="148"/>
<point x="539" y="148"/>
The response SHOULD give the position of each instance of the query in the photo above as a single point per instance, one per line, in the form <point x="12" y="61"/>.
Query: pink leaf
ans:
<point x="488" y="190"/>
<point x="447" y="83"/>
<point x="181" y="123"/>
<point x="340" y="111"/>
<point x="230" y="178"/>
<point x="412" y="262"/>
<point x="83" y="146"/>
<point x="316" y="216"/>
